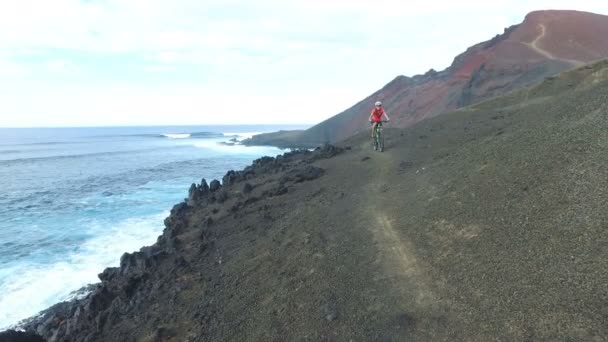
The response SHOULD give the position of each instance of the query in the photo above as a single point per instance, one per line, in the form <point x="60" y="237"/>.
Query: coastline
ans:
<point x="60" y="319"/>
<point x="178" y="137"/>
<point x="283" y="139"/>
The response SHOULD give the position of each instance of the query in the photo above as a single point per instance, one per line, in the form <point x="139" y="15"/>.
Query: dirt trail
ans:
<point x="534" y="46"/>
<point x="412" y="288"/>
<point x="399" y="261"/>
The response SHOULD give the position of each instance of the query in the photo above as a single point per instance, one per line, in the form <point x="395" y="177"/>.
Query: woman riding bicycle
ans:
<point x="376" y="117"/>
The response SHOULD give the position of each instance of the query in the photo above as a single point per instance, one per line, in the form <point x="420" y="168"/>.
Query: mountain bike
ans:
<point x="378" y="140"/>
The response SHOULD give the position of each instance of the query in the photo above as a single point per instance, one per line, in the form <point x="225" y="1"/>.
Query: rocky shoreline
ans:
<point x="143" y="274"/>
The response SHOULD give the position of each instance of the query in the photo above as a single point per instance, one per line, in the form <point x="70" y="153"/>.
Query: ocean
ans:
<point x="73" y="200"/>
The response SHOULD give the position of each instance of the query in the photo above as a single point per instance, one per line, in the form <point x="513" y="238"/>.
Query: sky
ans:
<point x="66" y="63"/>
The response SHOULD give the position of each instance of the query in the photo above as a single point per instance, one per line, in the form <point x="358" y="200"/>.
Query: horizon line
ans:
<point x="165" y="125"/>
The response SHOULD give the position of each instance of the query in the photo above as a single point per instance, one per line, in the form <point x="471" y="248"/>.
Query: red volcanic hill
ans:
<point x="545" y="44"/>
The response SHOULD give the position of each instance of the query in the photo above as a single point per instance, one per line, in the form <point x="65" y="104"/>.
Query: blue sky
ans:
<point x="152" y="62"/>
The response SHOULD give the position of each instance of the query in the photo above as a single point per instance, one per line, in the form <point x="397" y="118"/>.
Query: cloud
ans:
<point x="135" y="25"/>
<point x="57" y="66"/>
<point x="168" y="105"/>
<point x="10" y="69"/>
<point x="158" y="68"/>
<point x="301" y="54"/>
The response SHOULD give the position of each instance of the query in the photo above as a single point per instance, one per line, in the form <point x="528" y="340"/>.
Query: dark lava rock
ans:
<point x="302" y="174"/>
<point x="133" y="263"/>
<point x="215" y="185"/>
<point x="197" y="193"/>
<point x="178" y="208"/>
<point x="236" y="207"/>
<point x="308" y="173"/>
<point x="247" y="188"/>
<point x="204" y="188"/>
<point x="327" y="151"/>
<point x="251" y="200"/>
<point x="192" y="195"/>
<point x="19" y="336"/>
<point x="281" y="190"/>
<point x="231" y="177"/>
<point x="192" y="190"/>
<point x="162" y="334"/>
<point x="222" y="197"/>
<point x="365" y="158"/>
<point x="108" y="274"/>
<point x="261" y="163"/>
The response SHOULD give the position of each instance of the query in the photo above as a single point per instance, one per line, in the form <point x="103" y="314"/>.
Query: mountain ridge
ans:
<point x="543" y="45"/>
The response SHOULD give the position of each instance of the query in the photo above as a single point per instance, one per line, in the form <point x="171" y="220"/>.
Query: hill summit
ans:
<point x="545" y="44"/>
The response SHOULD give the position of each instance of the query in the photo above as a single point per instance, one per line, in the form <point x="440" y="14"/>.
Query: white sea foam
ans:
<point x="227" y="148"/>
<point x="30" y="288"/>
<point x="242" y="135"/>
<point x="177" y="135"/>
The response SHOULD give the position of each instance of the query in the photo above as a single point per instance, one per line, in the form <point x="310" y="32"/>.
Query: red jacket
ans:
<point x="377" y="114"/>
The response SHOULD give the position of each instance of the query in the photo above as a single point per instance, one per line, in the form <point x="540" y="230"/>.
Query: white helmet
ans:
<point x="378" y="103"/>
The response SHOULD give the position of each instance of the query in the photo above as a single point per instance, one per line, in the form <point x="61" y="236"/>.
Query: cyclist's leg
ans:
<point x="379" y="135"/>
<point x="374" y="129"/>
<point x="381" y="140"/>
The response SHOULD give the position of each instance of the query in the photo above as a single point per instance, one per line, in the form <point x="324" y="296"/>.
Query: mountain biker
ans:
<point x="376" y="116"/>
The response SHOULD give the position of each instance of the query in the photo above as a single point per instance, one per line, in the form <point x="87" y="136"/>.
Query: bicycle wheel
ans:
<point x="381" y="141"/>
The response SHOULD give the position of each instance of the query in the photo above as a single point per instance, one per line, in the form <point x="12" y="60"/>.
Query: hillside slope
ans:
<point x="546" y="43"/>
<point x="485" y="224"/>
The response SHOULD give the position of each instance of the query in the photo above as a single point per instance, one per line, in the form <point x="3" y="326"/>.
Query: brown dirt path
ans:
<point x="414" y="291"/>
<point x="534" y="46"/>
